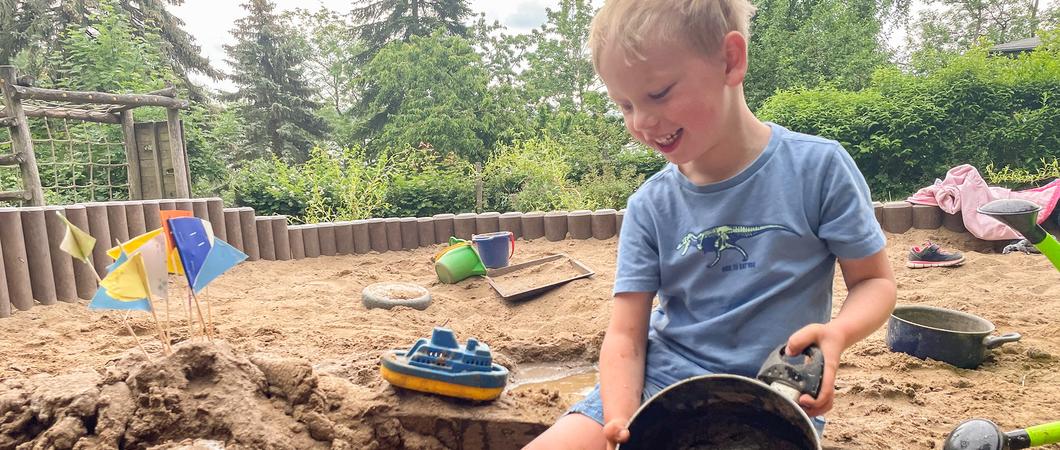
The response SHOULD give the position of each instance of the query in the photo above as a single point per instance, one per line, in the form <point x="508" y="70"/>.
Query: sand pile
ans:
<point x="74" y="378"/>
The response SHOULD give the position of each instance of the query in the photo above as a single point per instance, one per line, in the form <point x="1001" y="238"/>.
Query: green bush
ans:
<point x="332" y="185"/>
<point x="527" y="176"/>
<point x="431" y="186"/>
<point x="906" y="130"/>
<point x="536" y="175"/>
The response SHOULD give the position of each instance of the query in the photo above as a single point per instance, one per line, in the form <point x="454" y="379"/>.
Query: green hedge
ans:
<point x="905" y="130"/>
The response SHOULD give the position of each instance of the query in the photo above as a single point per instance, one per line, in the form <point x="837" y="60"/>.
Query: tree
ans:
<point x="107" y="55"/>
<point x="36" y="27"/>
<point x="273" y="95"/>
<point x="431" y="90"/>
<point x="560" y="71"/>
<point x="947" y="27"/>
<point x="330" y="64"/>
<point x="803" y="43"/>
<point x="382" y="21"/>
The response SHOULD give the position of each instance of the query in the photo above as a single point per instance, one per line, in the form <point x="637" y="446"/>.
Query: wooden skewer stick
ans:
<point x="197" y="307"/>
<point x="209" y="313"/>
<point x="166" y="349"/>
<point x="124" y="317"/>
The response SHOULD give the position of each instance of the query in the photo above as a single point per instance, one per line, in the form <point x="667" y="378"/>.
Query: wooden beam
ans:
<point x="62" y="113"/>
<point x="7" y="121"/>
<point x="103" y="98"/>
<point x="12" y="159"/>
<point x="21" y="141"/>
<point x="170" y="92"/>
<point x="16" y="195"/>
<point x="176" y="151"/>
<point x="131" y="156"/>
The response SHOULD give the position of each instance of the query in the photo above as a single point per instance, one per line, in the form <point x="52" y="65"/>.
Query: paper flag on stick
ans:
<point x="152" y="245"/>
<point x="192" y="242"/>
<point x="103" y="300"/>
<point x="76" y="242"/>
<point x="221" y="258"/>
<point x="135" y="243"/>
<point x="128" y="281"/>
<point x="171" y="254"/>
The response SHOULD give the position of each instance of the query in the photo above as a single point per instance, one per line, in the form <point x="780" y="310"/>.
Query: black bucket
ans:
<point x="733" y="412"/>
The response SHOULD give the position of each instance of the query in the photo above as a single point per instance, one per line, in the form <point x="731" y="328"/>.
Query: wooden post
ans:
<point x="176" y="151"/>
<point x="156" y="154"/>
<point x="132" y="156"/>
<point x="478" y="187"/>
<point x="20" y="137"/>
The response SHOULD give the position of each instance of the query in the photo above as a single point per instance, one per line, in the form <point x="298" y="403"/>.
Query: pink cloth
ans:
<point x="965" y="190"/>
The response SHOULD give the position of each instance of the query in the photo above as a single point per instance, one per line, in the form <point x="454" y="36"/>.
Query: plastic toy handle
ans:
<point x="438" y="255"/>
<point x="1044" y="434"/>
<point x="511" y="237"/>
<point x="1051" y="249"/>
<point x="802" y="372"/>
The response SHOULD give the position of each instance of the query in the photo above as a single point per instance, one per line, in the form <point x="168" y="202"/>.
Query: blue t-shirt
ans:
<point x="741" y="264"/>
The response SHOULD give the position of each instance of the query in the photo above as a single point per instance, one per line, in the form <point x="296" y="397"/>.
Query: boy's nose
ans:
<point x="645" y="121"/>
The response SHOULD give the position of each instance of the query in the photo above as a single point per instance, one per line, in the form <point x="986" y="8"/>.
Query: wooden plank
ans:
<point x="63" y="113"/>
<point x="16" y="195"/>
<point x="21" y="140"/>
<point x="131" y="157"/>
<point x="103" y="98"/>
<point x="176" y="148"/>
<point x="13" y="159"/>
<point x="156" y="153"/>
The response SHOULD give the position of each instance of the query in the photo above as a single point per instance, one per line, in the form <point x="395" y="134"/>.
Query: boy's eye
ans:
<point x="661" y="94"/>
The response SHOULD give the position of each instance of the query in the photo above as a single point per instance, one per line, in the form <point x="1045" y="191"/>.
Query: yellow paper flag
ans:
<point x="76" y="242"/>
<point x="133" y="244"/>
<point x="128" y="281"/>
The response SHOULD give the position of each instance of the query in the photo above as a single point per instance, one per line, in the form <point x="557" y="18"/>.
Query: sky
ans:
<point x="210" y="21"/>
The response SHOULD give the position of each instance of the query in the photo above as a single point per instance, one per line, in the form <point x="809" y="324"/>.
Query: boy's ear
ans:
<point x="734" y="46"/>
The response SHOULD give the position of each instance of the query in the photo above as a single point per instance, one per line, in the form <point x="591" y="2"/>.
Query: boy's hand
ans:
<point x="616" y="432"/>
<point x="832" y="342"/>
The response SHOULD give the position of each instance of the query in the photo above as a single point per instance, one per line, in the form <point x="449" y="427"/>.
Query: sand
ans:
<point x="294" y="363"/>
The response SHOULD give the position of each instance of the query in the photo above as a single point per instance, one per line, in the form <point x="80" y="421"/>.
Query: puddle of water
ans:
<point x="573" y="383"/>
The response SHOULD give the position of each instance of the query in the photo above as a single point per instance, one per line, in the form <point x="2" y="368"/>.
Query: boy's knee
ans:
<point x="573" y="432"/>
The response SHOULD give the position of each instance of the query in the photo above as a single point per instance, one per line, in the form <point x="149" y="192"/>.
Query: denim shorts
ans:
<point x="592" y="407"/>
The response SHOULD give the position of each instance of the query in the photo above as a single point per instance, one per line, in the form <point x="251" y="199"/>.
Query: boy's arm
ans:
<point x="871" y="295"/>
<point x="622" y="362"/>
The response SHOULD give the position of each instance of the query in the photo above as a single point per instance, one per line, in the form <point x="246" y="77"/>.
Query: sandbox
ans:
<point x="296" y="362"/>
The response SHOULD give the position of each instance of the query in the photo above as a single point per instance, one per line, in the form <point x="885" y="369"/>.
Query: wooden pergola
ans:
<point x="99" y="107"/>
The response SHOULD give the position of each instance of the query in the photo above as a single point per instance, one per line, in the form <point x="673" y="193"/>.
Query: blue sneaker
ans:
<point x="930" y="255"/>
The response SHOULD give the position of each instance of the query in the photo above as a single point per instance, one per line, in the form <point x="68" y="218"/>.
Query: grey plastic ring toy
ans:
<point x="389" y="294"/>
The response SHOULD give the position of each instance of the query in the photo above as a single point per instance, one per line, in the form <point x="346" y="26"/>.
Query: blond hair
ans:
<point x="701" y="24"/>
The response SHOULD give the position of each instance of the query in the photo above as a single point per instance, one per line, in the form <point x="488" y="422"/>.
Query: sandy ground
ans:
<point x="298" y="365"/>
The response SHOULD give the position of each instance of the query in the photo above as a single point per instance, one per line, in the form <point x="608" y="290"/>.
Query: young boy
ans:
<point x="738" y="235"/>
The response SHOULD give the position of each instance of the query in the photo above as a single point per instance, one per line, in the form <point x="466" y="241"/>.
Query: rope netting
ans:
<point x="10" y="177"/>
<point x="78" y="161"/>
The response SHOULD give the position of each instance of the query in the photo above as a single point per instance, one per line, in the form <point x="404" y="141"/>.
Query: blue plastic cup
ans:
<point x="495" y="249"/>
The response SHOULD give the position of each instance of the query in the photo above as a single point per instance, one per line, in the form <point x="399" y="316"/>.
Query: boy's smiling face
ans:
<point x="675" y="100"/>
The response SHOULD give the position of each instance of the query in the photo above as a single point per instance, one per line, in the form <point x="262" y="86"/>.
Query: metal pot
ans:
<point x="734" y="412"/>
<point x="954" y="337"/>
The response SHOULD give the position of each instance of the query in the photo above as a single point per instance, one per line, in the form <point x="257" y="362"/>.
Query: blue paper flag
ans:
<point x="221" y="258"/>
<point x="103" y="300"/>
<point x="193" y="245"/>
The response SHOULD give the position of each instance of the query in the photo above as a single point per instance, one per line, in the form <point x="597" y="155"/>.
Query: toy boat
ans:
<point x="443" y="366"/>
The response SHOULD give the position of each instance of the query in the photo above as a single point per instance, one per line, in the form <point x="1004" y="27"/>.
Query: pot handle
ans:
<point x="996" y="341"/>
<point x="802" y="372"/>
